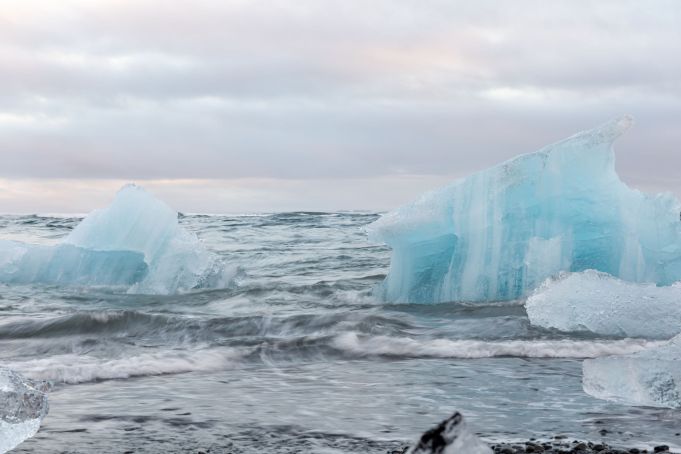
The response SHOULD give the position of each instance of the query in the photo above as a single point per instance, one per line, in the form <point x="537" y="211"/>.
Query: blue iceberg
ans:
<point x="501" y="232"/>
<point x="135" y="242"/>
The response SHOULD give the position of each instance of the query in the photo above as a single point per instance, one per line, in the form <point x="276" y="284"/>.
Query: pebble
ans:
<point x="561" y="446"/>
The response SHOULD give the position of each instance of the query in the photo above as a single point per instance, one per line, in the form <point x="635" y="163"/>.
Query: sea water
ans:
<point x="300" y="356"/>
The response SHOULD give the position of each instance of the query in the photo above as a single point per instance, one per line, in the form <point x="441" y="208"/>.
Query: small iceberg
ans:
<point x="501" y="232"/>
<point x="599" y="303"/>
<point x="451" y="436"/>
<point x="135" y="242"/>
<point x="23" y="405"/>
<point x="651" y="377"/>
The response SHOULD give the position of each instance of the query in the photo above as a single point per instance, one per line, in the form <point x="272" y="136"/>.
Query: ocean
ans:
<point x="298" y="356"/>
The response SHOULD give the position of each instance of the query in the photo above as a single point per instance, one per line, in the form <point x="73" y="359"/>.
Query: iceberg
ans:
<point x="451" y="436"/>
<point x="69" y="265"/>
<point x="23" y="405"/>
<point x="599" y="303"/>
<point x="651" y="377"/>
<point x="135" y="242"/>
<point x="501" y="232"/>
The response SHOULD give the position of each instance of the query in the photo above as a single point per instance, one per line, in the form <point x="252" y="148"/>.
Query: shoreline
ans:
<point x="561" y="445"/>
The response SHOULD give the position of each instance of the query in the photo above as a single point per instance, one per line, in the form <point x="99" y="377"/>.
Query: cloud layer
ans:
<point x="319" y="93"/>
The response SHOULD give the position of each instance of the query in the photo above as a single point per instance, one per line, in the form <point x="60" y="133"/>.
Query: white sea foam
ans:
<point x="74" y="369"/>
<point x="470" y="349"/>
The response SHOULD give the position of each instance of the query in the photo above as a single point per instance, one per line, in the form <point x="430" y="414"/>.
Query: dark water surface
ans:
<point x="299" y="357"/>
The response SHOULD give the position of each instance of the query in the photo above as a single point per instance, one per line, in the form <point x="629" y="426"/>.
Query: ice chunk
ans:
<point x="501" y="232"/>
<point x="135" y="242"/>
<point x="599" y="303"/>
<point x="451" y="436"/>
<point x="23" y="405"/>
<point x="651" y="377"/>
<point x="69" y="265"/>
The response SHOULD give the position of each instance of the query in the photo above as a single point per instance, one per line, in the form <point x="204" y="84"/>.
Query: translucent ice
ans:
<point x="597" y="302"/>
<point x="68" y="264"/>
<point x="23" y="405"/>
<point x="451" y="436"/>
<point x="135" y="242"/>
<point x="651" y="377"/>
<point x="501" y="232"/>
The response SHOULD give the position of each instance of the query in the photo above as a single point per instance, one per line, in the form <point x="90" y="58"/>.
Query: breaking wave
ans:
<point x="471" y="349"/>
<point x="72" y="369"/>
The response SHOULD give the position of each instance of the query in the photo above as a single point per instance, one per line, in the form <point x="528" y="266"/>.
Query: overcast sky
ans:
<point x="238" y="106"/>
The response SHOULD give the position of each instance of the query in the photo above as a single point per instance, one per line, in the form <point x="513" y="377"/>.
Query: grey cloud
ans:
<point x="334" y="89"/>
<point x="325" y="48"/>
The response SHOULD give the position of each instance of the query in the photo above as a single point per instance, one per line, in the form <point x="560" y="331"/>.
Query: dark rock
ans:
<point x="403" y="451"/>
<point x="434" y="440"/>
<point x="451" y="435"/>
